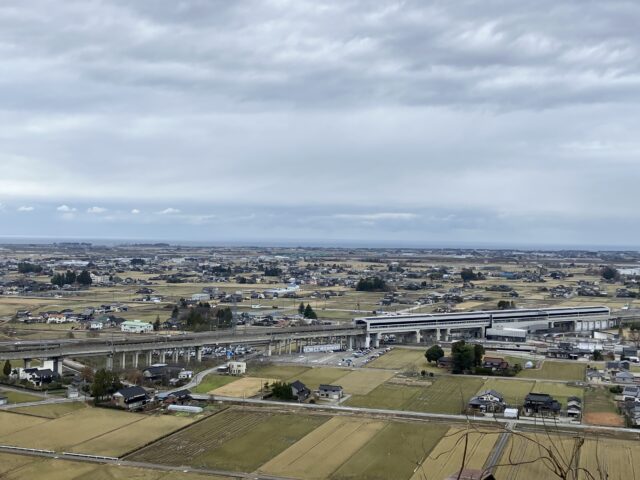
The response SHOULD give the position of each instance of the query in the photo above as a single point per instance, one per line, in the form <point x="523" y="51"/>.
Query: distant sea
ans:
<point x="289" y="243"/>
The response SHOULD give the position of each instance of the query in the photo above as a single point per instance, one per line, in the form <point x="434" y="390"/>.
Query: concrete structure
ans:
<point x="136" y="326"/>
<point x="477" y="323"/>
<point x="237" y="368"/>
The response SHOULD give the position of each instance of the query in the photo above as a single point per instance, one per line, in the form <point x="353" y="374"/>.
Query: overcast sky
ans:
<point x="408" y="122"/>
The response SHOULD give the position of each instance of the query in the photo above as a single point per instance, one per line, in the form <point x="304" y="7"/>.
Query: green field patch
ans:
<point x="405" y="359"/>
<point x="51" y="410"/>
<point x="19" y="397"/>
<point x="559" y="391"/>
<point x="513" y="391"/>
<point x="393" y="452"/>
<point x="449" y="394"/>
<point x="599" y="400"/>
<point x="551" y="370"/>
<point x="280" y="372"/>
<point x="388" y="396"/>
<point x="213" y="381"/>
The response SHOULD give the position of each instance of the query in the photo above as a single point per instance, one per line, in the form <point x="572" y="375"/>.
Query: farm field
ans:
<point x="52" y="410"/>
<point x="319" y="454"/>
<point x="558" y="391"/>
<point x="513" y="391"/>
<point x="393" y="452"/>
<point x="600" y="408"/>
<point x="551" y="370"/>
<point x="16" y="467"/>
<point x="121" y="441"/>
<point x="448" y="455"/>
<point x="280" y="372"/>
<point x="388" y="395"/>
<point x="522" y="456"/>
<point x="222" y="440"/>
<point x="363" y="381"/>
<point x="14" y="422"/>
<point x="19" y="397"/>
<point x="243" y="387"/>
<point x="213" y="381"/>
<point x="314" y="377"/>
<point x="619" y="459"/>
<point x="402" y="359"/>
<point x="78" y="427"/>
<point x="446" y="395"/>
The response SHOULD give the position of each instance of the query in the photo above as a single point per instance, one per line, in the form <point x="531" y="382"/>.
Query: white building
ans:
<point x="136" y="326"/>
<point x="185" y="375"/>
<point x="237" y="368"/>
<point x="201" y="297"/>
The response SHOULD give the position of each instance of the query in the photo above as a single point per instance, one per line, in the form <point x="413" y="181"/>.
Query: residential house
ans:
<point x="185" y="375"/>
<point x="445" y="362"/>
<point x="300" y="391"/>
<point x="131" y="398"/>
<point x="330" y="392"/>
<point x="574" y="407"/>
<point x="540" y="404"/>
<point x="631" y="392"/>
<point x="595" y="376"/>
<point x="487" y="401"/>
<point x="37" y="376"/>
<point x="631" y="410"/>
<point x="3" y="400"/>
<point x="624" y="376"/>
<point x="495" y="363"/>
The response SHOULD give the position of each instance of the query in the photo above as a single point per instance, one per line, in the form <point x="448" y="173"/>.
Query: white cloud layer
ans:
<point x="484" y="120"/>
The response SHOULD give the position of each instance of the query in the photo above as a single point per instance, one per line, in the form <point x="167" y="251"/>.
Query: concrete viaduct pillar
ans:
<point x="418" y="336"/>
<point x="448" y="334"/>
<point x="123" y="363"/>
<point x="350" y="342"/>
<point x="438" y="337"/>
<point x="149" y="357"/>
<point x="376" y="340"/>
<point x="367" y="340"/>
<point x="57" y="365"/>
<point x="176" y="355"/>
<point x="109" y="362"/>
<point x="269" y="350"/>
<point x="198" y="354"/>
<point x="135" y="359"/>
<point x="163" y="356"/>
<point x="27" y="363"/>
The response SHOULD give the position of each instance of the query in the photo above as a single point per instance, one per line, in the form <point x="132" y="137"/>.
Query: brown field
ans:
<point x="244" y="387"/>
<point x="13" y="422"/>
<point x="52" y="410"/>
<point x="619" y="459"/>
<point x="118" y="442"/>
<point x="69" y="430"/>
<point x="603" y="418"/>
<point x="525" y="458"/>
<point x="320" y="453"/>
<point x="448" y="455"/>
<point x="361" y="382"/>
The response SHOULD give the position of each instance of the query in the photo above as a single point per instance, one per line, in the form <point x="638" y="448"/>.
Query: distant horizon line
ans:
<point x="305" y="243"/>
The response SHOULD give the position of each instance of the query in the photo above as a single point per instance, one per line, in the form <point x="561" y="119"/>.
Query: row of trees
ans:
<point x="70" y="277"/>
<point x="26" y="267"/>
<point x="202" y="316"/>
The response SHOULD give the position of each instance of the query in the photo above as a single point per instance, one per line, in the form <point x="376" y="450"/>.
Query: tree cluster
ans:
<point x="272" y="271"/>
<point x="307" y="312"/>
<point x="434" y="353"/>
<point x="70" y="277"/>
<point x="371" y="284"/>
<point x="282" y="391"/>
<point x="137" y="262"/>
<point x="466" y="356"/>
<point x="105" y="383"/>
<point x="468" y="275"/>
<point x="609" y="273"/>
<point x="202" y="317"/>
<point x="26" y="267"/>
<point x="506" y="304"/>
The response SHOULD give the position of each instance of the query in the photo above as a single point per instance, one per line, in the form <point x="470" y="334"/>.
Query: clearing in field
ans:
<point x="325" y="449"/>
<point x="314" y="377"/>
<point x="213" y="381"/>
<point x="52" y="410"/>
<point x="551" y="370"/>
<point x="245" y="387"/>
<point x="513" y="391"/>
<point x="393" y="452"/>
<point x="118" y="442"/>
<point x="618" y="459"/>
<point x="600" y="408"/>
<point x="448" y="455"/>
<point x="402" y="359"/>
<point x="525" y="456"/>
<point x="69" y="430"/>
<point x="361" y="382"/>
<point x="448" y="394"/>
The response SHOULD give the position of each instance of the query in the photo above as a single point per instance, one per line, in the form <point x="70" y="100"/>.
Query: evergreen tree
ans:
<point x="301" y="308"/>
<point x="433" y="354"/>
<point x="156" y="324"/>
<point x="7" y="368"/>
<point x="84" y="278"/>
<point x="309" y="313"/>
